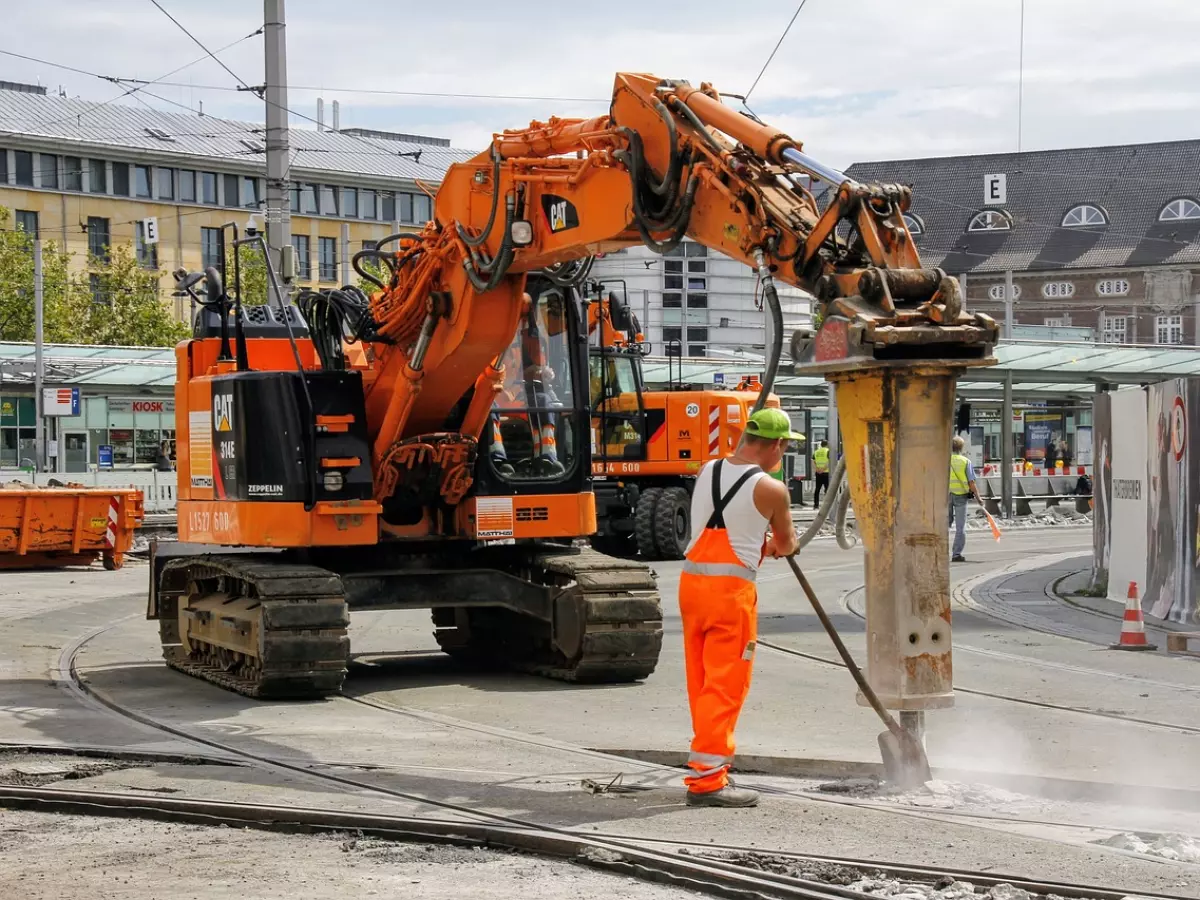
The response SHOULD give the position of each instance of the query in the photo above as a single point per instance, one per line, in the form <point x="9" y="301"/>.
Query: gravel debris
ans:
<point x="23" y="769"/>
<point x="876" y="883"/>
<point x="936" y="795"/>
<point x="1175" y="847"/>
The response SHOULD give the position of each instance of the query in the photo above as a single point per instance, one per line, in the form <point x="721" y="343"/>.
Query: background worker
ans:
<point x="820" y="472"/>
<point x="733" y="502"/>
<point x="962" y="487"/>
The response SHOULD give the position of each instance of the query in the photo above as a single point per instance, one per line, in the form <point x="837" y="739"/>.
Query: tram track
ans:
<point x="631" y="855"/>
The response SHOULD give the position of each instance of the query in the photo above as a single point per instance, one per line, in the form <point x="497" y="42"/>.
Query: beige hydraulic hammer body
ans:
<point x="896" y="370"/>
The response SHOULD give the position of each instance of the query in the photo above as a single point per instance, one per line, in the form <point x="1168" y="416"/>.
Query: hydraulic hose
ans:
<point x="487" y="229"/>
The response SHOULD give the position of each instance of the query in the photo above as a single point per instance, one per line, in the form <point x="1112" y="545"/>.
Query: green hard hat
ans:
<point x="772" y="424"/>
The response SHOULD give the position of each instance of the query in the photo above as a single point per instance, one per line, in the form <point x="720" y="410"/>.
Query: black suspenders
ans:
<point x="717" y="519"/>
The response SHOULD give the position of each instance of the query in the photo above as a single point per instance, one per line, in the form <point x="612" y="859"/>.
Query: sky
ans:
<point x="854" y="80"/>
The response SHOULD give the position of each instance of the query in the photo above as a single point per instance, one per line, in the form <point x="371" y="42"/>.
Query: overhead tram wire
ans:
<point x="445" y="95"/>
<point x="199" y="44"/>
<point x="778" y="44"/>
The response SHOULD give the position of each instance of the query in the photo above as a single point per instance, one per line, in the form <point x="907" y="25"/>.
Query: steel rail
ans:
<point x="616" y="853"/>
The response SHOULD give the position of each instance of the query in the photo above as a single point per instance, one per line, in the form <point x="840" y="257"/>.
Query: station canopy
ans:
<point x="1039" y="368"/>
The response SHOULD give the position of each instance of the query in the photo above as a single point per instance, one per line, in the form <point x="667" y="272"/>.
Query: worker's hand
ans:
<point x="772" y="550"/>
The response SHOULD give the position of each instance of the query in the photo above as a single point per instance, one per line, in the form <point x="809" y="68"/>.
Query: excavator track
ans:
<point x="263" y="628"/>
<point x="607" y="629"/>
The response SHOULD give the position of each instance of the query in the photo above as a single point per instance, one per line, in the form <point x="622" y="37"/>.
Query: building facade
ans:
<point x="1105" y="238"/>
<point x="694" y="302"/>
<point x="88" y="176"/>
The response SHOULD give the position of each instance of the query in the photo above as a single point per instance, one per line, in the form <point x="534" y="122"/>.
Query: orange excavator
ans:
<point x="340" y="454"/>
<point x="648" y="446"/>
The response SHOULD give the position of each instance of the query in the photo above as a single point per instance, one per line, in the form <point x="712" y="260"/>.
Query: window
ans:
<point x="208" y="188"/>
<point x="697" y="284"/>
<point x="1168" y="329"/>
<point x="159" y="134"/>
<point x="147" y="254"/>
<point x="97" y="176"/>
<point x="1182" y="210"/>
<point x="294" y="197"/>
<point x="1112" y="287"/>
<point x="673" y="282"/>
<point x="308" y="199"/>
<point x="230" y="187"/>
<point x="996" y="292"/>
<point x="327" y="249"/>
<point x="673" y="266"/>
<point x="328" y="197"/>
<point x="406" y="208"/>
<point x="164" y="182"/>
<point x="121" y="179"/>
<point x="697" y="334"/>
<point x="991" y="220"/>
<point x="72" y="173"/>
<point x="251" y="146"/>
<point x="1054" y="289"/>
<point x="421" y="209"/>
<point x="350" y="203"/>
<point x="1084" y="216"/>
<point x="672" y="333"/>
<point x="24" y="167"/>
<point x="141" y="181"/>
<point x="3" y="166"/>
<point x="1057" y="321"/>
<point x="187" y="185"/>
<point x="914" y="223"/>
<point x="27" y="222"/>
<point x="691" y="248"/>
<point x="210" y="247"/>
<point x="1114" y="329"/>
<point x="49" y="165"/>
<point x="99" y="295"/>
<point x="698" y="265"/>
<point x="388" y="213"/>
<point x="367" y="201"/>
<point x="303" y="256"/>
<point x="98" y="237"/>
<point x="249" y="192"/>
<point x="672" y="300"/>
<point x="697" y="301"/>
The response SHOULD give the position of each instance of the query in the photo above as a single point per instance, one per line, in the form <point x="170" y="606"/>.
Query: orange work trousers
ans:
<point x="720" y="630"/>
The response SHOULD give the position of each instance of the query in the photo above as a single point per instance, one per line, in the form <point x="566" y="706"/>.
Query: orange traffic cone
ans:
<point x="1133" y="628"/>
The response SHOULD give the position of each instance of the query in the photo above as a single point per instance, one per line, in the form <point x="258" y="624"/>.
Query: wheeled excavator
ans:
<point x="315" y="481"/>
<point x="649" y="445"/>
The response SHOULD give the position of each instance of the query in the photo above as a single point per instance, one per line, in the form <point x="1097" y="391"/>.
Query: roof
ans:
<point x="113" y="127"/>
<point x="1038" y="367"/>
<point x="1131" y="183"/>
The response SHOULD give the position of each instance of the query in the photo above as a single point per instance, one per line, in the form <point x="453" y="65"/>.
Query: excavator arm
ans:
<point x="669" y="161"/>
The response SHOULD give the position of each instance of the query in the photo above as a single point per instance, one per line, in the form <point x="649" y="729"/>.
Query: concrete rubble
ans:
<point x="877" y="884"/>
<point x="1174" y="847"/>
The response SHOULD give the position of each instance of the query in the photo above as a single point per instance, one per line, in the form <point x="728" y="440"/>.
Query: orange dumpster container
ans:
<point x="52" y="527"/>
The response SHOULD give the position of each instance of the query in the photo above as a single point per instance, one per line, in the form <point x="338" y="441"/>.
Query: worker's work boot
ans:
<point x="728" y="796"/>
<point x="545" y="467"/>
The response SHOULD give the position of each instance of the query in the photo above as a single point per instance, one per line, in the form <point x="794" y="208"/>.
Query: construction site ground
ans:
<point x="1057" y="752"/>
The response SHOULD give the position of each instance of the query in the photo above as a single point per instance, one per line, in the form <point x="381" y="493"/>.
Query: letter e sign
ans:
<point x="995" y="190"/>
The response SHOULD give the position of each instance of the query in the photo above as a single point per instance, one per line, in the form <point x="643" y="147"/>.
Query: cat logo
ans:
<point x="223" y="412"/>
<point x="560" y="212"/>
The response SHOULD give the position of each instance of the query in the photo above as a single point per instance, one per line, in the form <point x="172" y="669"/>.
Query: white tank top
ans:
<point x="745" y="526"/>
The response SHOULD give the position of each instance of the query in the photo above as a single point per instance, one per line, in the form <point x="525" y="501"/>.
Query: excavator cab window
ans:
<point x="534" y="430"/>
<point x="618" y="421"/>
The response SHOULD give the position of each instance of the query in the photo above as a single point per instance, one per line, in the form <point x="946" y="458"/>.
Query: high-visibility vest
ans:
<point x="958" y="475"/>
<point x="821" y="459"/>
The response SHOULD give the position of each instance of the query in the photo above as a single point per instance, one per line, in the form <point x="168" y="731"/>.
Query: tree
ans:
<point x="16" y="286"/>
<point x="116" y="301"/>
<point x="253" y="275"/>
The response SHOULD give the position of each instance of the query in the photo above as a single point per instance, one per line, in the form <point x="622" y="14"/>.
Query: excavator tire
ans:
<point x="643" y="523"/>
<point x="265" y="628"/>
<point x="607" y="628"/>
<point x="673" y="523"/>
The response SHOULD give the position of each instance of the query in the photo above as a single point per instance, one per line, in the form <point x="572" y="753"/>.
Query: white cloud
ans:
<point x="855" y="79"/>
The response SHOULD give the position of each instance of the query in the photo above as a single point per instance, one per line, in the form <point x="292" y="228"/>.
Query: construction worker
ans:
<point x="820" y="472"/>
<point x="733" y="502"/>
<point x="962" y="487"/>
